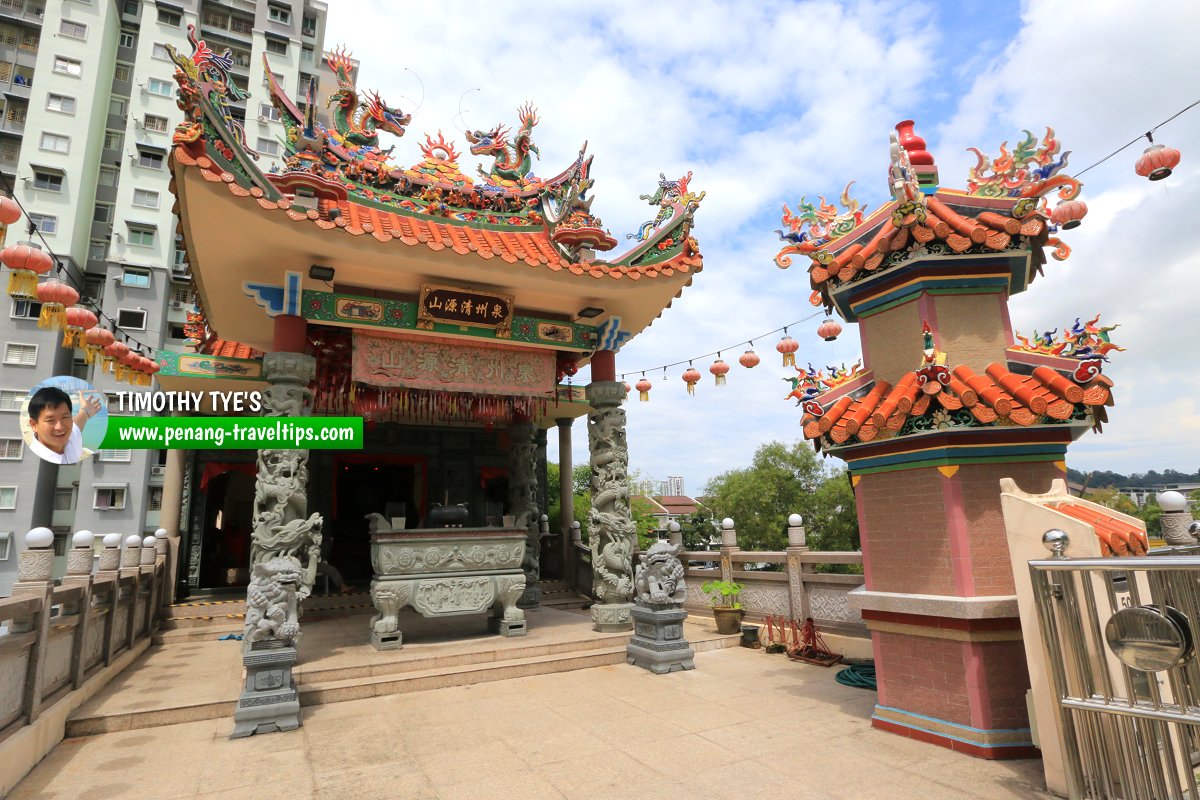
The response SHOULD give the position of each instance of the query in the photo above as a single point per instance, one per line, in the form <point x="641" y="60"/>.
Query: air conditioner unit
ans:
<point x="158" y="472"/>
<point x="263" y="118"/>
<point x="176" y="304"/>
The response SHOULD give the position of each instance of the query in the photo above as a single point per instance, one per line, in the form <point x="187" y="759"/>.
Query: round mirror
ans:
<point x="1149" y="638"/>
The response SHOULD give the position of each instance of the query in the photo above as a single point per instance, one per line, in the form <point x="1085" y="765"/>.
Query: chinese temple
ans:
<point x="447" y="309"/>
<point x="947" y="401"/>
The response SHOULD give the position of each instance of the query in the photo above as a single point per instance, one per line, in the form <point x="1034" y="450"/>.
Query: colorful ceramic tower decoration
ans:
<point x="946" y="406"/>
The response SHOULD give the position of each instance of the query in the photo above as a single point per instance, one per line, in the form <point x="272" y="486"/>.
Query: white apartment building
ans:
<point x="85" y="131"/>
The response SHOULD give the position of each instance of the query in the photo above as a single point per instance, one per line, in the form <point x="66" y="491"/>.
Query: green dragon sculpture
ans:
<point x="359" y="120"/>
<point x="513" y="162"/>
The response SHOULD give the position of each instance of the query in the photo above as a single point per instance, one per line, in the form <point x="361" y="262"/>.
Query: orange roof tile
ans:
<point x="1117" y="537"/>
<point x="532" y="247"/>
<point x="999" y="395"/>
<point x="844" y="258"/>
<point x="229" y="349"/>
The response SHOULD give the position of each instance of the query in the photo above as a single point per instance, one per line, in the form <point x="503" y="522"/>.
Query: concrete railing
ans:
<point x="796" y="590"/>
<point x="68" y="640"/>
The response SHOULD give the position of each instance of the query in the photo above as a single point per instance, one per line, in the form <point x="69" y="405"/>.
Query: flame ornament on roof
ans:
<point x="812" y="226"/>
<point x="1030" y="172"/>
<point x="1082" y="341"/>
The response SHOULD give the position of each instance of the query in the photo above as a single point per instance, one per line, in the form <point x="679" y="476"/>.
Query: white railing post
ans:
<point x="797" y="546"/>
<point x="729" y="546"/>
<point x="35" y="578"/>
<point x="674" y="533"/>
<point x="80" y="559"/>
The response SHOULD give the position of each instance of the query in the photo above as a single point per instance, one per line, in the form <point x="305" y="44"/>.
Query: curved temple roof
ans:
<point x="340" y="178"/>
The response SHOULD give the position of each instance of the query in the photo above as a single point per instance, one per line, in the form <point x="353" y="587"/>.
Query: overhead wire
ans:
<point x="1147" y="135"/>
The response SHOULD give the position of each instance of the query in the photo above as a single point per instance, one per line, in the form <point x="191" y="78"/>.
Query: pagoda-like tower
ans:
<point x="945" y="404"/>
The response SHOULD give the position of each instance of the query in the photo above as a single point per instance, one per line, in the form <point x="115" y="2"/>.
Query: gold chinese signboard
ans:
<point x="456" y="306"/>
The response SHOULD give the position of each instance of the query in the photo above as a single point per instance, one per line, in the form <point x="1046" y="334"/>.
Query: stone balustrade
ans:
<point x="796" y="589"/>
<point x="56" y="639"/>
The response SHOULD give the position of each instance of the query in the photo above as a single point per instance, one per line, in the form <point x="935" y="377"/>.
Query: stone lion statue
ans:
<point x="659" y="576"/>
<point x="272" y="611"/>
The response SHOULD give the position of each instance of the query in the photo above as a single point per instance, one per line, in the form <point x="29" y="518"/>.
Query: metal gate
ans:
<point x="1119" y="636"/>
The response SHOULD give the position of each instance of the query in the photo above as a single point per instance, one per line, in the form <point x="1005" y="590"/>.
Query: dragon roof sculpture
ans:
<point x="513" y="162"/>
<point x="357" y="119"/>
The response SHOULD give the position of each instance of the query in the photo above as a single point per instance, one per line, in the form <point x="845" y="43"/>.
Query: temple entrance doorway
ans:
<point x="388" y="485"/>
<point x="228" y="519"/>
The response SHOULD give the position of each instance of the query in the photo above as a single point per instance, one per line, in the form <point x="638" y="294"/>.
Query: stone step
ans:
<point x="334" y="685"/>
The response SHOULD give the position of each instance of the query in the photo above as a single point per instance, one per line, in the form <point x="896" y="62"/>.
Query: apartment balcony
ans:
<point x="12" y="127"/>
<point x="14" y="89"/>
<point x="31" y="17"/>
<point x="101" y="230"/>
<point x="240" y="34"/>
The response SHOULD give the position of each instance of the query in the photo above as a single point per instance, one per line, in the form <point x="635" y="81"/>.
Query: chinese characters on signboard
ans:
<point x="426" y="362"/>
<point x="456" y="306"/>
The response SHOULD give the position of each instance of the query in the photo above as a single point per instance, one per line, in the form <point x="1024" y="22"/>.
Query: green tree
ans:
<point x="698" y="529"/>
<point x="780" y="481"/>
<point x="1194" y="500"/>
<point x="1109" y="497"/>
<point x="1151" y="514"/>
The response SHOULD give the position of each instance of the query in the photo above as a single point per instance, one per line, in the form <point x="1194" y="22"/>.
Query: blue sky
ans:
<point x="766" y="102"/>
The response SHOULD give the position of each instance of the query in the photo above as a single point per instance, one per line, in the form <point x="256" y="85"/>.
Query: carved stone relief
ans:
<point x="610" y="523"/>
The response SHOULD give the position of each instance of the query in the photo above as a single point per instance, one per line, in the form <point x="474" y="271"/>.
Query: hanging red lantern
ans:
<point x="129" y="363"/>
<point x="10" y="212"/>
<point x="749" y="359"/>
<point x="788" y="347"/>
<point x="829" y="329"/>
<point x="643" y="387"/>
<point x="691" y="377"/>
<point x="718" y="369"/>
<point x="79" y="319"/>
<point x="1069" y="213"/>
<point x="95" y="339"/>
<point x="26" y="262"/>
<point x="1157" y="162"/>
<point x="55" y="296"/>
<point x="113" y="353"/>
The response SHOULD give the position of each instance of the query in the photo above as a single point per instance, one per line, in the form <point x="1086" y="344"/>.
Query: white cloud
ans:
<point x="766" y="102"/>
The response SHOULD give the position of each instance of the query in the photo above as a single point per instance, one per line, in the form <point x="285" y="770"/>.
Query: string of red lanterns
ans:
<point x="81" y="328"/>
<point x="1155" y="163"/>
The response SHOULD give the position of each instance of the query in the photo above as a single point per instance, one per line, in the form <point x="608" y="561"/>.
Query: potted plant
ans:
<point x="726" y="608"/>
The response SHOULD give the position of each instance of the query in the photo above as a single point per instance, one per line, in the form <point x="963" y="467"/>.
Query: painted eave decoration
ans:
<point x="1003" y="213"/>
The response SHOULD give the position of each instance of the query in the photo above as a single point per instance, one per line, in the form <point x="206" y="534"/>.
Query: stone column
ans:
<point x="566" y="498"/>
<point x="797" y="546"/>
<point x="729" y="546"/>
<point x="522" y="501"/>
<point x="610" y="525"/>
<point x="169" y="516"/>
<point x="284" y="550"/>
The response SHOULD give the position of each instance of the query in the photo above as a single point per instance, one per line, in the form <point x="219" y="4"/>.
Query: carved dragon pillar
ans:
<point x="284" y="553"/>
<point x="523" y="500"/>
<point x="610" y="525"/>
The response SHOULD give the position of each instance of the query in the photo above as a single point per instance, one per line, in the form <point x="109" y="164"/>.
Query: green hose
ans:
<point x="860" y="676"/>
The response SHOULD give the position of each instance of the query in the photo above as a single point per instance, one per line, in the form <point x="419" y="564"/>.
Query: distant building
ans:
<point x="672" y="486"/>
<point x="1140" y="494"/>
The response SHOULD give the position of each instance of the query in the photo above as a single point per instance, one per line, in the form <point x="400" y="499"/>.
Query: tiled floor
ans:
<point x="743" y="724"/>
